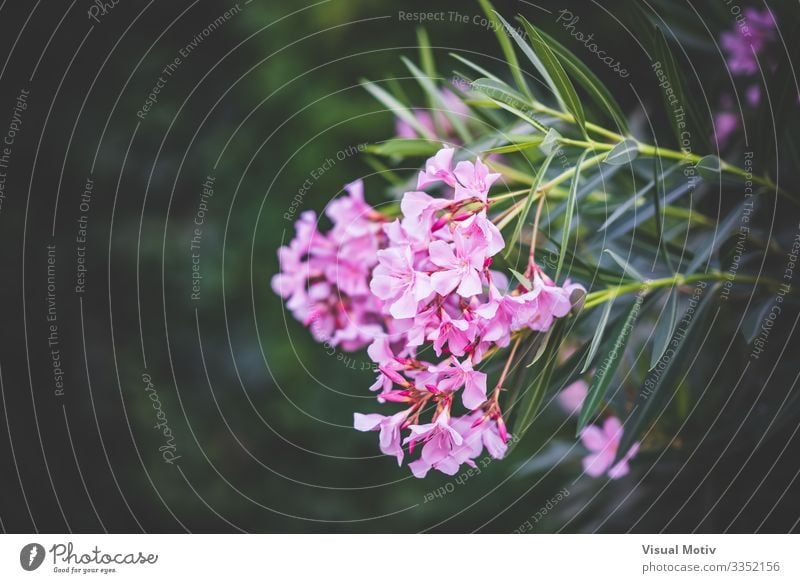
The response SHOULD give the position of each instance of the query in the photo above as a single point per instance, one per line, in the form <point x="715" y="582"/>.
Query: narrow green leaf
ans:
<point x="519" y="146"/>
<point x="505" y="45"/>
<point x="646" y="213"/>
<point x="589" y="81"/>
<point x="721" y="232"/>
<point x="569" y="213"/>
<point x="397" y="108"/>
<point x="540" y="346"/>
<point x="751" y="325"/>
<point x="504" y="96"/>
<point x="679" y="108"/>
<point x="531" y="401"/>
<point x="665" y="328"/>
<point x="562" y="84"/>
<point x="598" y="335"/>
<point x="526" y="209"/>
<point x="608" y="367"/>
<point x="645" y="411"/>
<point x="629" y="270"/>
<point x="475" y="67"/>
<point x="425" y="53"/>
<point x="621" y="209"/>
<point x="623" y="153"/>
<point x="436" y="97"/>
<point x="526" y="283"/>
<point x="658" y="180"/>
<point x="404" y="147"/>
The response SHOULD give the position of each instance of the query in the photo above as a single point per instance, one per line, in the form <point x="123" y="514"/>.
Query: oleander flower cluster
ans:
<point x="420" y="292"/>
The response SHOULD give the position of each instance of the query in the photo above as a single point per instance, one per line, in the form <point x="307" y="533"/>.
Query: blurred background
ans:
<point x="152" y="380"/>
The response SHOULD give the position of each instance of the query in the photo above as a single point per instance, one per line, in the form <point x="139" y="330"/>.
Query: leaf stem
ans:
<point x="601" y="296"/>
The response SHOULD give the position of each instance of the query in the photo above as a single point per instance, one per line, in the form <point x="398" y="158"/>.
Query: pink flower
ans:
<point x="603" y="444"/>
<point x="457" y="333"/>
<point x="419" y="213"/>
<point x="462" y="264"/>
<point x="462" y="374"/>
<point x="473" y="180"/>
<point x="396" y="282"/>
<point x="572" y="397"/>
<point x="350" y="214"/>
<point x="549" y="302"/>
<point x="438" y="169"/>
<point x="389" y="428"/>
<point x="441" y="440"/>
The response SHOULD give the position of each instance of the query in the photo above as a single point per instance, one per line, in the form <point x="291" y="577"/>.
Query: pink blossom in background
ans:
<point x="429" y="120"/>
<point x="744" y="43"/>
<point x="603" y="445"/>
<point x="572" y="397"/>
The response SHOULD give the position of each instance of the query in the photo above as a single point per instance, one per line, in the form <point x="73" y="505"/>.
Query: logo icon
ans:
<point x="31" y="556"/>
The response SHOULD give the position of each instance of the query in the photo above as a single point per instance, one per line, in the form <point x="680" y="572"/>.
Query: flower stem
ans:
<point x="602" y="296"/>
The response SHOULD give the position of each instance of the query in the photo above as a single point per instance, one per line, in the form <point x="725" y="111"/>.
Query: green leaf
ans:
<point x="504" y="96"/>
<point x="526" y="209"/>
<point x="598" y="335"/>
<point x="665" y="328"/>
<point x="561" y="83"/>
<point x="526" y="283"/>
<point x="709" y="168"/>
<point x="397" y="108"/>
<point x="644" y="412"/>
<point x="475" y="67"/>
<point x="751" y="325"/>
<point x="659" y="218"/>
<point x="569" y="213"/>
<point x="589" y="81"/>
<point x="425" y="54"/>
<point x="721" y="232"/>
<point x="551" y="144"/>
<point x="623" y="153"/>
<point x="531" y="400"/>
<point x="540" y="345"/>
<point x="505" y="45"/>
<point x="629" y="270"/>
<point x="677" y="103"/>
<point x="519" y="146"/>
<point x="404" y="147"/>
<point x="608" y="367"/>
<point x="621" y="209"/>
<point x="435" y="96"/>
